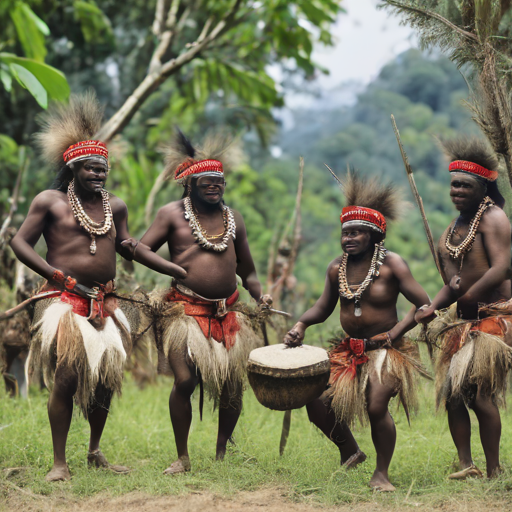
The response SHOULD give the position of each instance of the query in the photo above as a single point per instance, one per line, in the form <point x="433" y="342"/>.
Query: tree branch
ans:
<point x="159" y="72"/>
<point x="434" y="15"/>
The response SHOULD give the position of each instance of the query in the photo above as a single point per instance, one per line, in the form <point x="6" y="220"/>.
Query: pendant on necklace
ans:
<point x="357" y="308"/>
<point x="455" y="282"/>
<point x="92" y="248"/>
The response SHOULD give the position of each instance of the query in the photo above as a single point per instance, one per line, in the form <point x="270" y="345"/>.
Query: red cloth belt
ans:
<point x="346" y="357"/>
<point x="222" y="329"/>
<point x="101" y="307"/>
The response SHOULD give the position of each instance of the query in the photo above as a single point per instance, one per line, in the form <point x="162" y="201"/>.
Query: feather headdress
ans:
<point x="369" y="202"/>
<point x="66" y="125"/>
<point x="473" y="156"/>
<point x="68" y="135"/>
<point x="183" y="160"/>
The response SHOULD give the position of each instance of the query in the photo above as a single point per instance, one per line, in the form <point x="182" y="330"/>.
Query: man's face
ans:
<point x="210" y="189"/>
<point x="355" y="240"/>
<point x="466" y="192"/>
<point x="91" y="175"/>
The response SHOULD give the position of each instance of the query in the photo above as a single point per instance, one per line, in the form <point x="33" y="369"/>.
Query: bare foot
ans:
<point x="495" y="473"/>
<point x="58" y="474"/>
<point x="380" y="482"/>
<point x="98" y="460"/>
<point x="469" y="472"/>
<point x="354" y="460"/>
<point x="182" y="465"/>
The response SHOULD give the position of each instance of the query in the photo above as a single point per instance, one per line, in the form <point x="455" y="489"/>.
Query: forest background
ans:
<point x="228" y="84"/>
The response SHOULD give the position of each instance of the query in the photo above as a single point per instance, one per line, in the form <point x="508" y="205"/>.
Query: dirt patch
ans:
<point x="266" y="500"/>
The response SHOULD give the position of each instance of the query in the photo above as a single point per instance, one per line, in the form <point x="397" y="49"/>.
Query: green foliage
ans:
<point x="42" y="81"/>
<point x="96" y="27"/>
<point x="31" y="31"/>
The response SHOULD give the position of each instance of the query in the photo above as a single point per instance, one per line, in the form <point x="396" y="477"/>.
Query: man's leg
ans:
<point x="230" y="407"/>
<point x="460" y="429"/>
<point x="97" y="416"/>
<point x="180" y="408"/>
<point x="490" y="432"/>
<point x="383" y="430"/>
<point x="321" y="415"/>
<point x="60" y="412"/>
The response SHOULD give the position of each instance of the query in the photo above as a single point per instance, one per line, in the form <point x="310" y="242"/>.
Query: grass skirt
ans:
<point x="472" y="355"/>
<point x="95" y="350"/>
<point x="396" y="366"/>
<point x="176" y="333"/>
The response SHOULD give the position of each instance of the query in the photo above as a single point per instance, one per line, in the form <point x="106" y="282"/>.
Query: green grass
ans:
<point x="139" y="434"/>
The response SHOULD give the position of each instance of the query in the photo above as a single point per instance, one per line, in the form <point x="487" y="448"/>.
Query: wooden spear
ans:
<point x="416" y="194"/>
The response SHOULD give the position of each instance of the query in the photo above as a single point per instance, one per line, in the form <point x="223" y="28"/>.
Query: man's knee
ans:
<point x="65" y="381"/>
<point x="185" y="385"/>
<point x="377" y="410"/>
<point x="231" y="396"/>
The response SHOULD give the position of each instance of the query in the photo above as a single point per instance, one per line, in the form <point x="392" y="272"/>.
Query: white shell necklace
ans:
<point x="200" y="234"/>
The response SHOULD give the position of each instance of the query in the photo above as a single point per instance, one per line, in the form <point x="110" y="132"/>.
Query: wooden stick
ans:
<point x="416" y="194"/>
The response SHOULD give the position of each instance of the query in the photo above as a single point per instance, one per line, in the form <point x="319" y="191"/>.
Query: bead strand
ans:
<point x="92" y="227"/>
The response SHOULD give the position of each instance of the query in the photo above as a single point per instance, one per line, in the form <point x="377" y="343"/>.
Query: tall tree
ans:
<point x="475" y="32"/>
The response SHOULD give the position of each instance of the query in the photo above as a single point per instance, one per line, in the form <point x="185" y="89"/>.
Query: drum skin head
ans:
<point x="284" y="378"/>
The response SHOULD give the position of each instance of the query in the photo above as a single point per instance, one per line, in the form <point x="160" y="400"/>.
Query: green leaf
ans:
<point x="51" y="79"/>
<point x="30" y="32"/>
<point x="8" y="143"/>
<point x="41" y="25"/>
<point x="5" y="77"/>
<point x="96" y="26"/>
<point x="31" y="83"/>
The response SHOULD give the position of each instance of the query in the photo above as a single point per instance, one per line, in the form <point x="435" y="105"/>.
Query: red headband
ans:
<point x="85" y="149"/>
<point x="463" y="165"/>
<point x="365" y="216"/>
<point x="192" y="167"/>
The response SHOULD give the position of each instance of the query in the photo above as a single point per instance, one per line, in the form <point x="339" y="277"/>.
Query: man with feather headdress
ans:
<point x="204" y="333"/>
<point x="474" y="336"/>
<point x="374" y="362"/>
<point x="80" y="336"/>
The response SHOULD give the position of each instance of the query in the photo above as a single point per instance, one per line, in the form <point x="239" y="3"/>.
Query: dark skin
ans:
<point x="68" y="245"/>
<point x="483" y="279"/>
<point x="379" y="315"/>
<point x="211" y="275"/>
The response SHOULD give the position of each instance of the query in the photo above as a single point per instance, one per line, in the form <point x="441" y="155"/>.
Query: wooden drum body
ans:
<point x="284" y="378"/>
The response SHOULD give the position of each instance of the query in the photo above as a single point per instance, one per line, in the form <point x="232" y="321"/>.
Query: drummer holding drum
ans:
<point x="374" y="362"/>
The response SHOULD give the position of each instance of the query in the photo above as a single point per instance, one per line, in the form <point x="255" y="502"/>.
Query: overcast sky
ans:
<point x="367" y="38"/>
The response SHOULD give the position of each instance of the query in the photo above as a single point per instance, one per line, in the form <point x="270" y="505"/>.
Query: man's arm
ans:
<point x="129" y="248"/>
<point x="245" y="265"/>
<point x="495" y="230"/>
<point x="29" y="233"/>
<point x="411" y="290"/>
<point x="322" y="309"/>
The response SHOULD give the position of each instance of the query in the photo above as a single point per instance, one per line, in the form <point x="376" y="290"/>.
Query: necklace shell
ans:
<point x="200" y="234"/>
<point x="92" y="227"/>
<point x="378" y="257"/>
<point x="456" y="251"/>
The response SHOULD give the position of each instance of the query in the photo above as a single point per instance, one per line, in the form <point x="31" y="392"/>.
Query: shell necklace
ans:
<point x="374" y="271"/>
<point x="200" y="234"/>
<point x="93" y="228"/>
<point x="459" y="251"/>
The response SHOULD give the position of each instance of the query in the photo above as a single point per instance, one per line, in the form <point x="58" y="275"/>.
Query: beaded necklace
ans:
<point x="459" y="251"/>
<point x="379" y="254"/>
<point x="200" y="234"/>
<point x="92" y="227"/>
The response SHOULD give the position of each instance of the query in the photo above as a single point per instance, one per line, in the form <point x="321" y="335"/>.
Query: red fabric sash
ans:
<point x="102" y="307"/>
<point x="345" y="359"/>
<point x="222" y="329"/>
